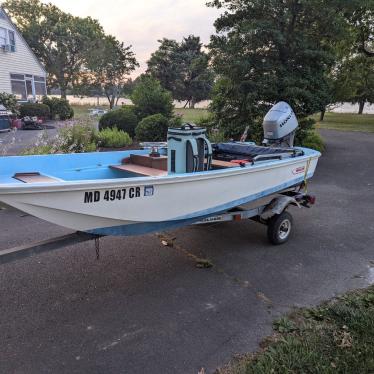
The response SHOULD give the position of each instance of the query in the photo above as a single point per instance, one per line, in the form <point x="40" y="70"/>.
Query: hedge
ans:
<point x="34" y="110"/>
<point x="123" y="119"/>
<point x="153" y="128"/>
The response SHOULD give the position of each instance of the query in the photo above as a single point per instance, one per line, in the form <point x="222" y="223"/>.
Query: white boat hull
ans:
<point x="128" y="206"/>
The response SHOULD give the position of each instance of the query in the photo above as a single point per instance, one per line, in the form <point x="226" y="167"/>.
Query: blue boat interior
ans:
<point x="105" y="165"/>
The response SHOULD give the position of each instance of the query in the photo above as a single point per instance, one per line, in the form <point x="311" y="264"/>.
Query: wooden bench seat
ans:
<point x="141" y="170"/>
<point x="35" y="177"/>
<point x="223" y="164"/>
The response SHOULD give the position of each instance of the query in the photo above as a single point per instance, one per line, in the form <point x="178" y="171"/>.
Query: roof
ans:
<point x="22" y="38"/>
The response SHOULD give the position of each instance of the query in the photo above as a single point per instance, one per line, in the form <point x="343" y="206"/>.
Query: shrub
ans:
<point x="9" y="101"/>
<point x="71" y="139"/>
<point x="150" y="98"/>
<point x="58" y="107"/>
<point x="314" y="141"/>
<point x="113" y="138"/>
<point x="124" y="119"/>
<point x="175" y="121"/>
<point x="34" y="110"/>
<point x="153" y="128"/>
<point x="76" y="139"/>
<point x="306" y="136"/>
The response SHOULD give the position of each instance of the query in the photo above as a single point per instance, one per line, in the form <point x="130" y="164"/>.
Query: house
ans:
<point x="21" y="73"/>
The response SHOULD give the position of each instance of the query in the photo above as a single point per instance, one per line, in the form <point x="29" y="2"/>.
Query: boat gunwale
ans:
<point x="78" y="185"/>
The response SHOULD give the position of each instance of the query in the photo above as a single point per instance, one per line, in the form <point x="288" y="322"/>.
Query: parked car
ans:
<point x="5" y="121"/>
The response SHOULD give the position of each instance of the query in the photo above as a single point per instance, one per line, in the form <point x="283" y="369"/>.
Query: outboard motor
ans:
<point x="189" y="150"/>
<point x="280" y="125"/>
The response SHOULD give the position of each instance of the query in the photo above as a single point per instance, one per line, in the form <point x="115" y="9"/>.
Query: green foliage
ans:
<point x="123" y="118"/>
<point x="183" y="69"/>
<point x="306" y="136"/>
<point x="215" y="135"/>
<point x="152" y="128"/>
<point x="113" y="138"/>
<point x="108" y="68"/>
<point x="175" y="121"/>
<point x="268" y="51"/>
<point x="76" y="139"/>
<point x="61" y="41"/>
<point x="336" y="337"/>
<point x="34" y="110"/>
<point x="9" y="101"/>
<point x="314" y="141"/>
<point x="71" y="139"/>
<point x="355" y="80"/>
<point x="58" y="107"/>
<point x="150" y="98"/>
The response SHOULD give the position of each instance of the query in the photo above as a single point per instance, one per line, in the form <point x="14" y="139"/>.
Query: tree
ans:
<point x="149" y="97"/>
<point x="360" y="17"/>
<point x="355" y="81"/>
<point x="183" y="69"/>
<point x="60" y="40"/>
<point x="269" y="50"/>
<point x="108" y="67"/>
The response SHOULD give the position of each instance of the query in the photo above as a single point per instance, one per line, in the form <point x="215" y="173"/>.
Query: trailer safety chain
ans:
<point x="306" y="174"/>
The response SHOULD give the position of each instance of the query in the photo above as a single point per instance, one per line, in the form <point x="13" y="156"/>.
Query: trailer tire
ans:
<point x="280" y="228"/>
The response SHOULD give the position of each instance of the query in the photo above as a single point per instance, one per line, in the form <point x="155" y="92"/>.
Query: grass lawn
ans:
<point x="336" y="337"/>
<point x="81" y="111"/>
<point x="346" y="122"/>
<point x="191" y="115"/>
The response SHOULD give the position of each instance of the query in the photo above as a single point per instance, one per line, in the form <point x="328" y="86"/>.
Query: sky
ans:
<point x="142" y="22"/>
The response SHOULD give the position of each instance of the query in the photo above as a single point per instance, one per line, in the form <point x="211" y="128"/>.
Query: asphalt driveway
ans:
<point x="146" y="308"/>
<point x="14" y="142"/>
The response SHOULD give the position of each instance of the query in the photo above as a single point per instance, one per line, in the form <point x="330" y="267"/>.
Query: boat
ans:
<point x="134" y="192"/>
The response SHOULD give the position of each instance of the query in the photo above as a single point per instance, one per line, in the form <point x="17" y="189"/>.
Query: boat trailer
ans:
<point x="274" y="214"/>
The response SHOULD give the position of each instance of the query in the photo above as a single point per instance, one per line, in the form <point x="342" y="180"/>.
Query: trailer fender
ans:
<point x="277" y="206"/>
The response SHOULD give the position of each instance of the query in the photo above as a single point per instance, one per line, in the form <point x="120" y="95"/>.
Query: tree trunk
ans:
<point x="322" y="116"/>
<point x="63" y="92"/>
<point x="192" y="103"/>
<point x="361" y="107"/>
<point x="111" y="102"/>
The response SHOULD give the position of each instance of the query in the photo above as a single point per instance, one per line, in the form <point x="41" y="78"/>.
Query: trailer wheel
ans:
<point x="280" y="227"/>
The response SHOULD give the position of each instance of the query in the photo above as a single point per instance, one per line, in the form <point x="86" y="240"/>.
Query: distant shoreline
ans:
<point x="342" y="108"/>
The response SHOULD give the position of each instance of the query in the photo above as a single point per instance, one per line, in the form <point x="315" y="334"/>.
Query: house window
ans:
<point x="26" y="86"/>
<point x="12" y="40"/>
<point x="3" y="38"/>
<point x="40" y="86"/>
<point x="7" y="38"/>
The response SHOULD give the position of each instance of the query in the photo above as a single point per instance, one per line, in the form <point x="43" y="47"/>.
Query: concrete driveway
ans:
<point x="146" y="308"/>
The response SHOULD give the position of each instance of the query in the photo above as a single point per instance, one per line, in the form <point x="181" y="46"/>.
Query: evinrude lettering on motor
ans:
<point x="117" y="194"/>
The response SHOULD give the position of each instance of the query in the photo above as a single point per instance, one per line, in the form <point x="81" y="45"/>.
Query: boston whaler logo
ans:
<point x="117" y="194"/>
<point x="299" y="170"/>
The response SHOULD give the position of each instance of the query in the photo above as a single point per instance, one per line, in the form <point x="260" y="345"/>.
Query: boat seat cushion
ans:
<point x="34" y="177"/>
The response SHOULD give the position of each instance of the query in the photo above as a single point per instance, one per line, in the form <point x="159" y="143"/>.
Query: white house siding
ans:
<point x="22" y="61"/>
